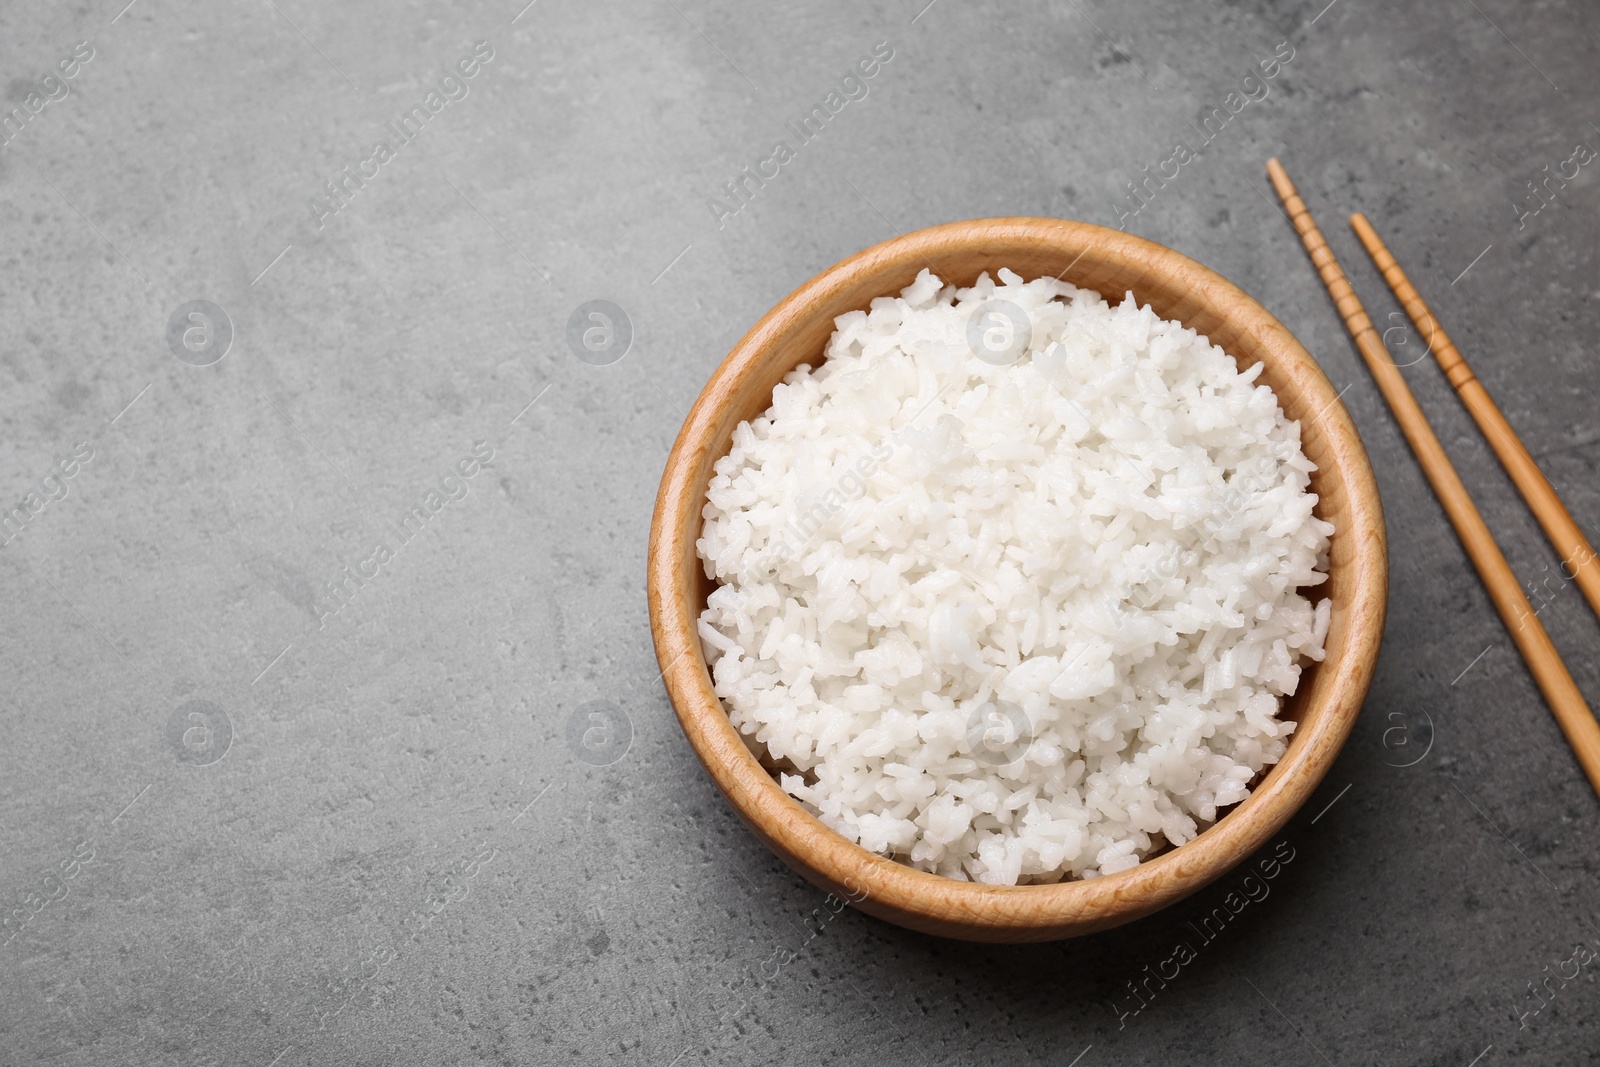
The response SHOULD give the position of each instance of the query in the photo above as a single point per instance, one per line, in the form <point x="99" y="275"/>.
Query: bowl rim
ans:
<point x="969" y="910"/>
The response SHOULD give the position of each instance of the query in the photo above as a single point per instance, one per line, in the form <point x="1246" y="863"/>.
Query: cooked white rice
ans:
<point x="1014" y="614"/>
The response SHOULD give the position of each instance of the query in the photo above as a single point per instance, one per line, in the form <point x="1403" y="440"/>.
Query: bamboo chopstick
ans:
<point x="1575" y="550"/>
<point x="1577" y="722"/>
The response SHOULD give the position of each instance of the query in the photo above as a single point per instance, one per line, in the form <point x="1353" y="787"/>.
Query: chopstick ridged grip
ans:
<point x="1444" y="350"/>
<point x="1561" y="693"/>
<point x="1339" y="287"/>
<point x="1576" y="552"/>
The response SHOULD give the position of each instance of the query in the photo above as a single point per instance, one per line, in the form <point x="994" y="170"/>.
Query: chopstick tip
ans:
<point x="1279" y="178"/>
<point x="1367" y="234"/>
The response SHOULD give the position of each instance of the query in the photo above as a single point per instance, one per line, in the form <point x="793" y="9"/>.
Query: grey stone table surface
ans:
<point x="246" y="821"/>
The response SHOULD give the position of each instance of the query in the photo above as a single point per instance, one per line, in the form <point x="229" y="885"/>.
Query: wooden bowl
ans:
<point x="1330" y="693"/>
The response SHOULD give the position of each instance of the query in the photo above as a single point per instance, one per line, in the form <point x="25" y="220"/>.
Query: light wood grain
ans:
<point x="1560" y="691"/>
<point x="1330" y="693"/>
<point x="1577" y="556"/>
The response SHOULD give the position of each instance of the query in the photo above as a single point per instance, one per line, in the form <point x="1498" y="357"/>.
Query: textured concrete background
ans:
<point x="236" y="827"/>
